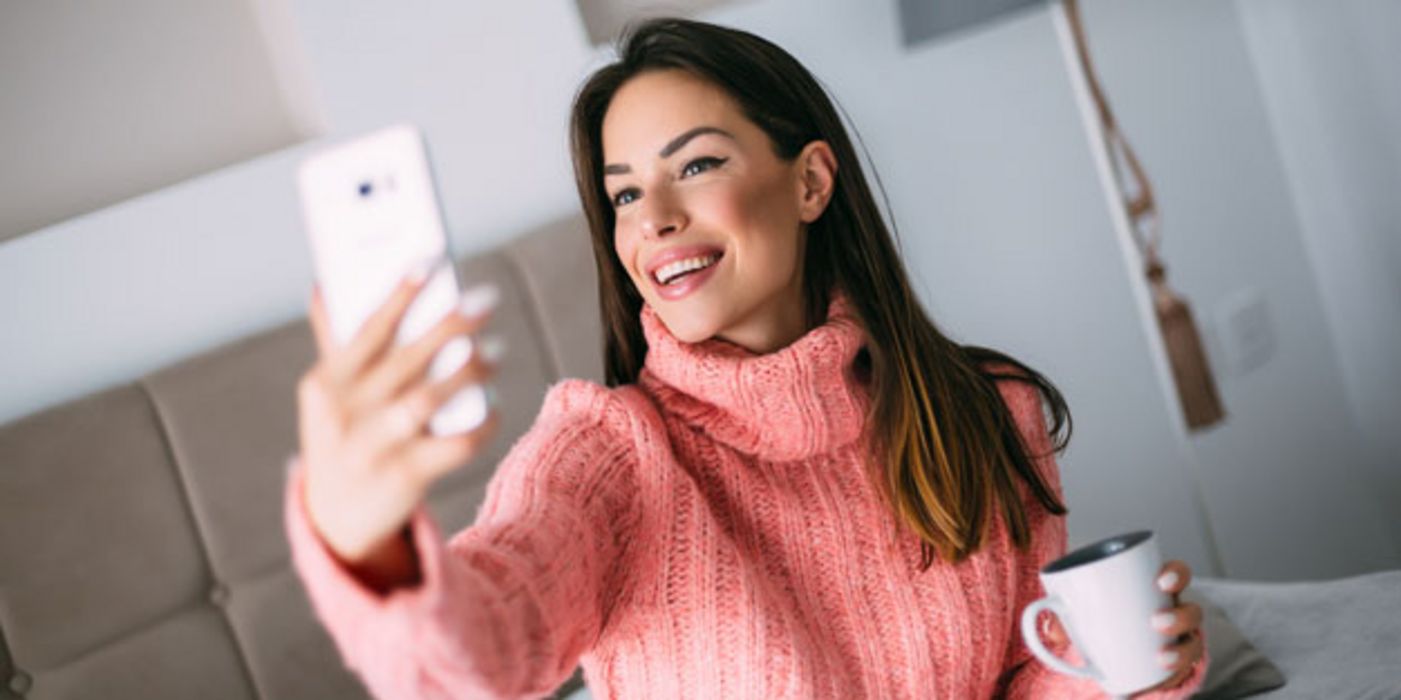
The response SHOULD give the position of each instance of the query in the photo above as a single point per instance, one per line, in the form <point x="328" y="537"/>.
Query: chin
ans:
<point x="688" y="326"/>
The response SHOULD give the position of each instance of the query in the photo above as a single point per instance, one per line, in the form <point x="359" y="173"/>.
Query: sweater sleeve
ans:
<point x="504" y="608"/>
<point x="1026" y="676"/>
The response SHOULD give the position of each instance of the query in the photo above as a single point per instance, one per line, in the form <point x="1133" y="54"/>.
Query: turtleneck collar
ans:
<point x="796" y="402"/>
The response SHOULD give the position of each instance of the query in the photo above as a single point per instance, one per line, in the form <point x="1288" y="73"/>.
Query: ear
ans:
<point x="817" y="176"/>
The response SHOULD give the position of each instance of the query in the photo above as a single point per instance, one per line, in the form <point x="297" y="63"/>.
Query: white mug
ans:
<point x="1104" y="595"/>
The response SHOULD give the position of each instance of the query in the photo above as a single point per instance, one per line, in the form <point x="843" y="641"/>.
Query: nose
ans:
<point x="661" y="216"/>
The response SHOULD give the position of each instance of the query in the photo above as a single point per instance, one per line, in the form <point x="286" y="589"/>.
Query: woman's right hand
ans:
<point x="362" y="414"/>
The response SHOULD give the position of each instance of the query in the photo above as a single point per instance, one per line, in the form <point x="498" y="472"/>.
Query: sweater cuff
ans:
<point x="351" y="610"/>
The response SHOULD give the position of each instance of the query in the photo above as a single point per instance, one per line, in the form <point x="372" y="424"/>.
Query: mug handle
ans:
<point x="1033" y="640"/>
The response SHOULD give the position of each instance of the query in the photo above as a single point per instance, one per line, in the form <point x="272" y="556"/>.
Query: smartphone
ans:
<point x="371" y="214"/>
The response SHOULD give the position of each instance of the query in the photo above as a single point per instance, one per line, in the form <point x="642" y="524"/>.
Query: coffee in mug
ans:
<point x="1104" y="594"/>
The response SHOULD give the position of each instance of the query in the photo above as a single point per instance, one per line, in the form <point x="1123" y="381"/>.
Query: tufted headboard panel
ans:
<point x="142" y="553"/>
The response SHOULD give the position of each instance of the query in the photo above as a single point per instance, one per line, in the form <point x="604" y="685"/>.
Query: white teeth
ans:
<point x="668" y="272"/>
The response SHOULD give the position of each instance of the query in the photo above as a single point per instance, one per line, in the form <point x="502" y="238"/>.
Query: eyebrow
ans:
<point x="672" y="147"/>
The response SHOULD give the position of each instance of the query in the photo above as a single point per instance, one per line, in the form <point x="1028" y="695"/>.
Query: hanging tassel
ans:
<point x="1195" y="387"/>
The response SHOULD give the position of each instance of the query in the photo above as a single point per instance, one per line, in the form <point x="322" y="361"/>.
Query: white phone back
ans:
<point x="371" y="213"/>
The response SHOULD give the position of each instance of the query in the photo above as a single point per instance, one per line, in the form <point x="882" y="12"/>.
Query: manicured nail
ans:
<point x="1162" y="620"/>
<point x="1167" y="658"/>
<point x="493" y="348"/>
<point x="423" y="268"/>
<point x="479" y="300"/>
<point x="1167" y="581"/>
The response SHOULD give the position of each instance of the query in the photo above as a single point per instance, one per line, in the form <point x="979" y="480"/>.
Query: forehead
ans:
<point x="654" y="107"/>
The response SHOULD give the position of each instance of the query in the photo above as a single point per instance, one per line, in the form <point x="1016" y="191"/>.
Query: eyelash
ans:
<point x="711" y="160"/>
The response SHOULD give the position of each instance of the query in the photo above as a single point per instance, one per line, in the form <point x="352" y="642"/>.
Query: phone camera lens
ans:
<point x="365" y="189"/>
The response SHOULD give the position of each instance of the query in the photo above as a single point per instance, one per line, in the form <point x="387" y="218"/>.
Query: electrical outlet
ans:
<point x="1246" y="330"/>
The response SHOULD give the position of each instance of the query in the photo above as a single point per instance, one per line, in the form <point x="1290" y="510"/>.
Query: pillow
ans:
<point x="1236" y="668"/>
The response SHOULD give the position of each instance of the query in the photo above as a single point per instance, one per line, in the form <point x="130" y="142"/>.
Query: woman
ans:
<point x="793" y="485"/>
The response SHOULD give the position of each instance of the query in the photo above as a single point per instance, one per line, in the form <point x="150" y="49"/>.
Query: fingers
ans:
<point x="320" y="326"/>
<point x="479" y="369"/>
<point x="402" y="420"/>
<point x="1054" y="633"/>
<point x="377" y="332"/>
<point x="430" y="458"/>
<point x="1180" y="655"/>
<point x="1181" y="626"/>
<point x="391" y="426"/>
<point x="387" y="379"/>
<point x="1178" y="621"/>
<point x="1174" y="577"/>
<point x="1178" y="660"/>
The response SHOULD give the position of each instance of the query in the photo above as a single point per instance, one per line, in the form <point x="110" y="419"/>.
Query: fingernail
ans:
<point x="420" y="271"/>
<point x="493" y="348"/>
<point x="1167" y="581"/>
<point x="479" y="300"/>
<point x="1162" y="620"/>
<point x="1167" y="658"/>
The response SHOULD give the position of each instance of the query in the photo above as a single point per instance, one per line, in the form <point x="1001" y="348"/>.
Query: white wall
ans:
<point x="980" y="145"/>
<point x="110" y="295"/>
<point x="1328" y="74"/>
<point x="206" y="93"/>
<point x="1286" y="472"/>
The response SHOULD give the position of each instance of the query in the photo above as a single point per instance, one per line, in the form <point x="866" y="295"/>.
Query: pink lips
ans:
<point x="689" y="283"/>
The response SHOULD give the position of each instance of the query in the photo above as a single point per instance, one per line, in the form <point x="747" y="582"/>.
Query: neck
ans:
<point x="773" y="326"/>
<point x="795" y="402"/>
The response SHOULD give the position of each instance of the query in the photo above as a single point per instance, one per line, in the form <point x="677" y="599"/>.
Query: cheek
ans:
<point x="731" y="207"/>
<point x="765" y="225"/>
<point x="625" y="247"/>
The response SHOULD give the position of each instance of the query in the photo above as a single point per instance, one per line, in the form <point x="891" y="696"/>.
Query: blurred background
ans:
<point x="148" y="210"/>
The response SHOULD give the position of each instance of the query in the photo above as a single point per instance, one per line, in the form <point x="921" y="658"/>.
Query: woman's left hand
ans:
<point x="1181" y="625"/>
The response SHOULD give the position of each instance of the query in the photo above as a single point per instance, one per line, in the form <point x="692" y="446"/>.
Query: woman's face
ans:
<point x="703" y="203"/>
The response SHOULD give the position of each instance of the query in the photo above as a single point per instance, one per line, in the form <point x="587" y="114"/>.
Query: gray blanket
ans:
<point x="1333" y="640"/>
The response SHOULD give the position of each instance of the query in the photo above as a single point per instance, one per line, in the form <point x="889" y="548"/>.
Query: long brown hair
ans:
<point x="945" y="441"/>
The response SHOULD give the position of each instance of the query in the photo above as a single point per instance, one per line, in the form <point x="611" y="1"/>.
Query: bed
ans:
<point x="1337" y="639"/>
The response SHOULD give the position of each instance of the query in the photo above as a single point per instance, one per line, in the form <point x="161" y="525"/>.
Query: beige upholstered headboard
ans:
<point x="142" y="553"/>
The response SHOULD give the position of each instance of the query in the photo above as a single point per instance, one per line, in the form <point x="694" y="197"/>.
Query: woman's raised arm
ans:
<point x="505" y="608"/>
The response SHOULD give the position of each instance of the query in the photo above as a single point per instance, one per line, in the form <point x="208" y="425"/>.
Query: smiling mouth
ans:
<point x="681" y="269"/>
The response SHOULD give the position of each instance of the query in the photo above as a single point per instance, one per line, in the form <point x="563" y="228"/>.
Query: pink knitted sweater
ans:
<point x="709" y="532"/>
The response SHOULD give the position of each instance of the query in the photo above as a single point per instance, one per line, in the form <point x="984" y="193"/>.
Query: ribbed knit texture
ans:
<point x="710" y="532"/>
